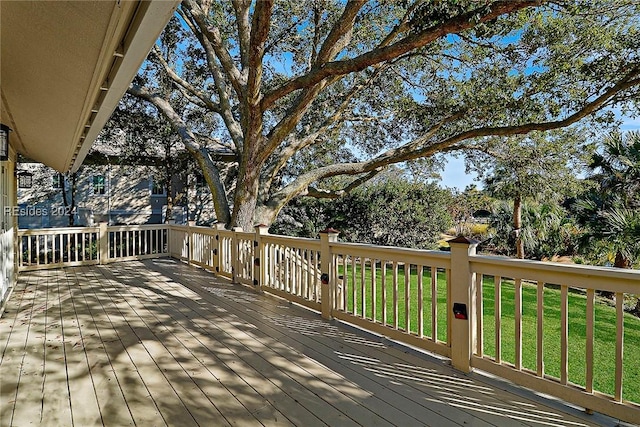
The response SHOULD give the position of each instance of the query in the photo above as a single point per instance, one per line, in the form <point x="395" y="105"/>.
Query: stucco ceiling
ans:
<point x="65" y="65"/>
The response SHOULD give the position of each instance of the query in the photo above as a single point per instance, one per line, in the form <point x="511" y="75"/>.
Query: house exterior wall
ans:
<point x="124" y="195"/>
<point x="8" y="228"/>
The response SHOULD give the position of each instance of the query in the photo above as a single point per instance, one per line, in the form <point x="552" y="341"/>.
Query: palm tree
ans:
<point x="611" y="210"/>
<point x="617" y="168"/>
<point x="614" y="236"/>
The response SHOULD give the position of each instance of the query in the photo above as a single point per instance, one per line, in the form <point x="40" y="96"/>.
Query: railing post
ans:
<point x="217" y="253"/>
<point x="235" y="258"/>
<point x="462" y="313"/>
<point x="260" y="260"/>
<point x="328" y="275"/>
<point x="189" y="242"/>
<point x="103" y="234"/>
<point x="168" y="228"/>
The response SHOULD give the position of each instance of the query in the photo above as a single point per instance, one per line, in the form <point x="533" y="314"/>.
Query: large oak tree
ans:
<point x="315" y="97"/>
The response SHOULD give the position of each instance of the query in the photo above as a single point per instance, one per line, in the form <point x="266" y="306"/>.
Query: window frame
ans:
<point x="95" y="186"/>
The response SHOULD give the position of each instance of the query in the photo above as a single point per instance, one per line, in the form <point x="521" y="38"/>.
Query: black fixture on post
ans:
<point x="25" y="179"/>
<point x="4" y="142"/>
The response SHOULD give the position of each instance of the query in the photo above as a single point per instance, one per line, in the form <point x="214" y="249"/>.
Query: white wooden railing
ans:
<point x="55" y="247"/>
<point x="536" y="279"/>
<point x="291" y="268"/>
<point x="393" y="291"/>
<point x="407" y="295"/>
<point x="73" y="246"/>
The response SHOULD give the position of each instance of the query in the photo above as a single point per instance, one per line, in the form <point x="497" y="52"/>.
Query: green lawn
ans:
<point x="605" y="330"/>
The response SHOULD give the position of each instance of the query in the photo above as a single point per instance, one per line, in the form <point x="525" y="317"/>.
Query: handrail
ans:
<point x="73" y="246"/>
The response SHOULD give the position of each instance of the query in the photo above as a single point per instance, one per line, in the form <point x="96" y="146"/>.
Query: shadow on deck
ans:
<point x="160" y="343"/>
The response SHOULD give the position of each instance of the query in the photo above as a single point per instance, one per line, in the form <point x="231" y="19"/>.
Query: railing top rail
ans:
<point x="576" y="269"/>
<point x="136" y="227"/>
<point x="58" y="230"/>
<point x="245" y="235"/>
<point x="574" y="275"/>
<point x="390" y="252"/>
<point x="290" y="241"/>
<point x="179" y="227"/>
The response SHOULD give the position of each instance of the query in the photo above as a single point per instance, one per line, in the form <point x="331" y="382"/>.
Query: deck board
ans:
<point x="157" y="342"/>
<point x="14" y="327"/>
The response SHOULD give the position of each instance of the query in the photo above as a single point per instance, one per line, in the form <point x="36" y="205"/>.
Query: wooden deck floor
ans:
<point x="161" y="343"/>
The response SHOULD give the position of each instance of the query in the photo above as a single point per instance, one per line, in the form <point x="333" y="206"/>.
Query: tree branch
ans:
<point x="327" y="194"/>
<point x="417" y="148"/>
<point x="213" y="35"/>
<point x="241" y="8"/>
<point x="200" y="153"/>
<point x="235" y="131"/>
<point x="385" y="53"/>
<point x="291" y="149"/>
<point x="205" y="100"/>
<point x="340" y="35"/>
<point x="259" y="33"/>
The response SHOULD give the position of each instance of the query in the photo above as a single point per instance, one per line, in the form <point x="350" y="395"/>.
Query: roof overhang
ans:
<point x="64" y="65"/>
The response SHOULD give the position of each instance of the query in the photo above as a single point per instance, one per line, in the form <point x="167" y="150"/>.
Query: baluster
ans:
<point x="353" y="285"/>
<point x="619" y="345"/>
<point x="374" y="294"/>
<point x="407" y="297"/>
<point x="479" y="316"/>
<point x="518" y="325"/>
<point x="395" y="295"/>
<point x="591" y="296"/>
<point x="540" y="332"/>
<point x="498" y="317"/>
<point x="363" y="265"/>
<point x="420" y="273"/>
<point x="434" y="304"/>
<point x="564" y="334"/>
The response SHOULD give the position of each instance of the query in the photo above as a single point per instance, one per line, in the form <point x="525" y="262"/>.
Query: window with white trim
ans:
<point x="157" y="189"/>
<point x="99" y="184"/>
<point x="57" y="181"/>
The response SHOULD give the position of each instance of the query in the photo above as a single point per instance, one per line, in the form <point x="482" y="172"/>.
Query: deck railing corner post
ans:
<point x="328" y="275"/>
<point x="260" y="261"/>
<point x="190" y="241"/>
<point x="462" y="313"/>
<point x="103" y="243"/>
<point x="235" y="254"/>
<point x="217" y="255"/>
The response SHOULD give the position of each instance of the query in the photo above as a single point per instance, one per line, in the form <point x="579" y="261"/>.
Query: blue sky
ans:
<point x="454" y="176"/>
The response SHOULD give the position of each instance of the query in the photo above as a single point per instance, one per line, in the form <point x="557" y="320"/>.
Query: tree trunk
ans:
<point x="244" y="203"/>
<point x="216" y="186"/>
<point x="621" y="261"/>
<point x="517" y="226"/>
<point x="74" y="188"/>
<point x="169" y="215"/>
<point x="69" y="202"/>
<point x="265" y="215"/>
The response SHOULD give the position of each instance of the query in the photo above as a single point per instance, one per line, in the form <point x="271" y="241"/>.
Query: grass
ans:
<point x="604" y="333"/>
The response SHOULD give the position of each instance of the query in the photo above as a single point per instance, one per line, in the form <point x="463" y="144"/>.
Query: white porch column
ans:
<point x="328" y="276"/>
<point x="104" y="243"/>
<point x="235" y="256"/>
<point x="462" y="313"/>
<point x="261" y="259"/>
<point x="217" y="253"/>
